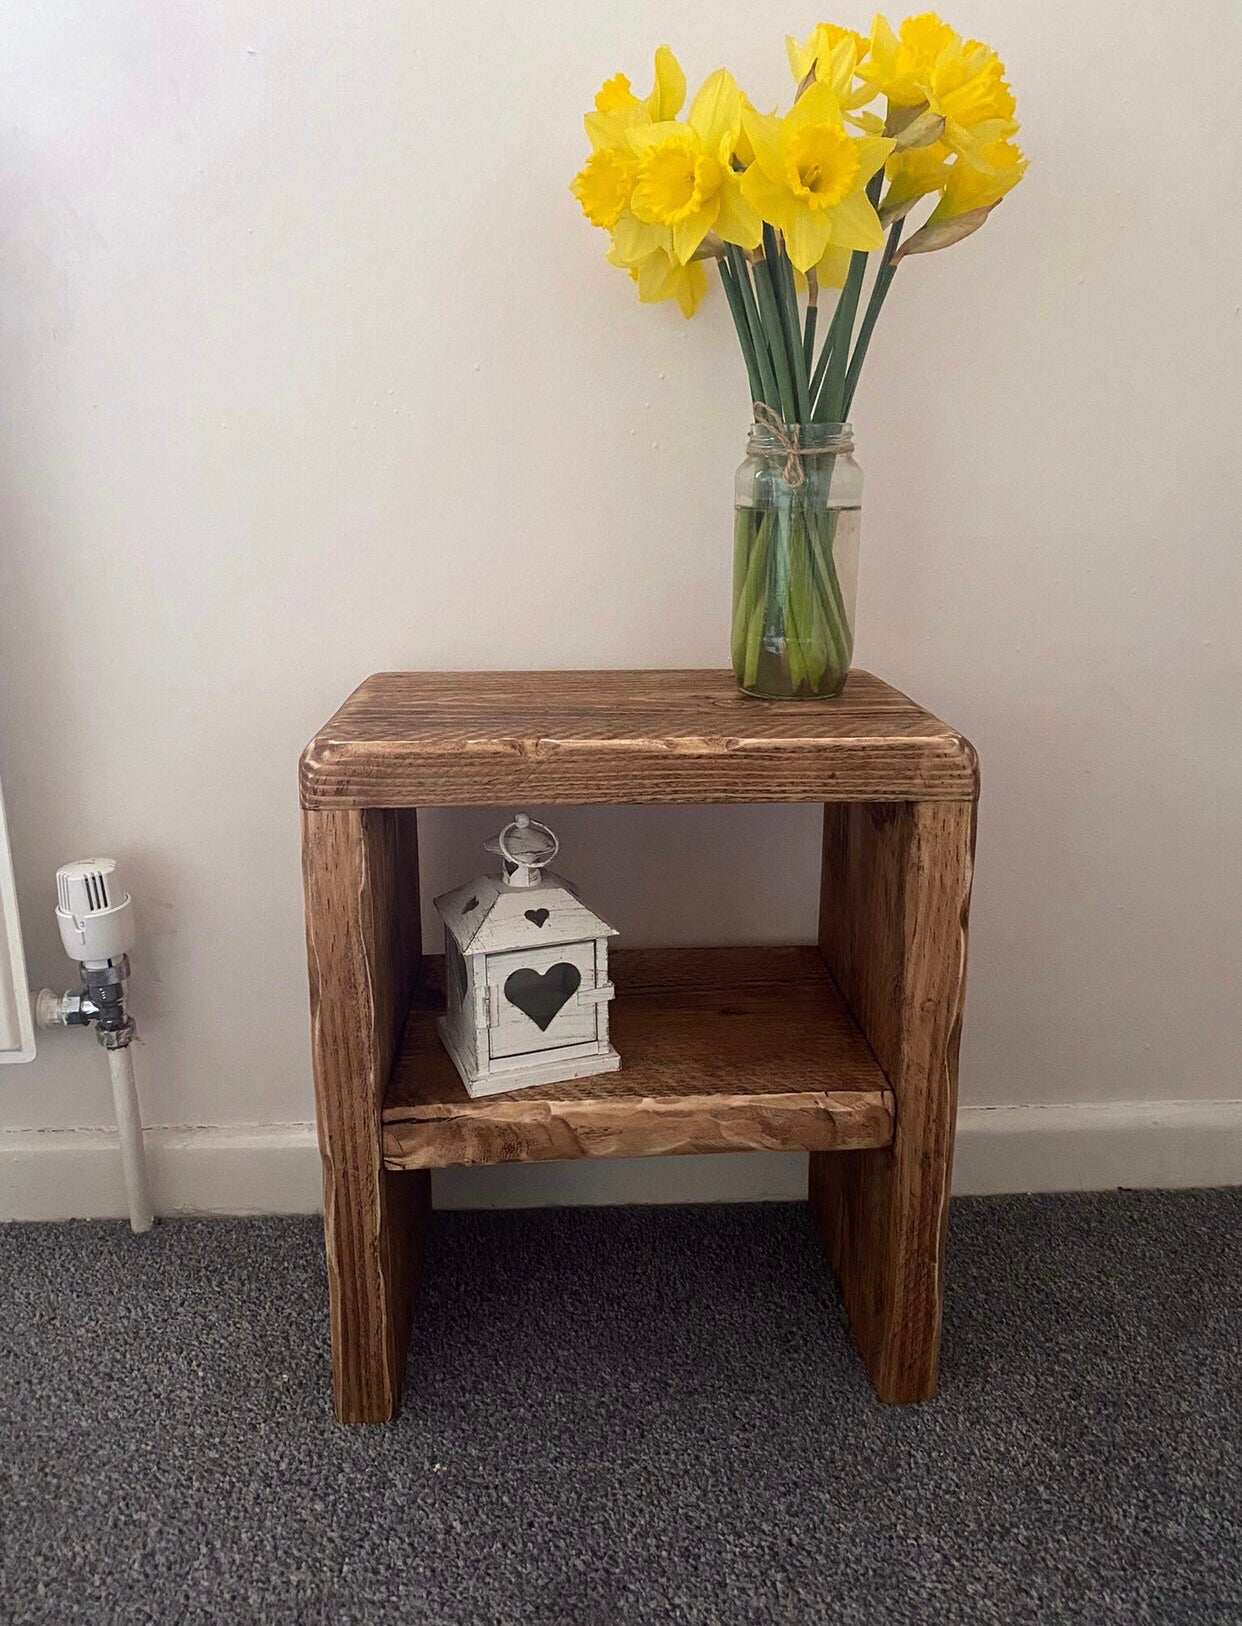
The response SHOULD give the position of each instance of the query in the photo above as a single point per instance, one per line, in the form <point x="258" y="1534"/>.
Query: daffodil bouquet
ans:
<point x="788" y="206"/>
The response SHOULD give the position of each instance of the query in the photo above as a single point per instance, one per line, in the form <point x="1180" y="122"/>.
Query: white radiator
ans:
<point x="16" y="1024"/>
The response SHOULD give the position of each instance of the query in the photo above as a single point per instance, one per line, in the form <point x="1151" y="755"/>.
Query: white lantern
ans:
<point x="525" y="972"/>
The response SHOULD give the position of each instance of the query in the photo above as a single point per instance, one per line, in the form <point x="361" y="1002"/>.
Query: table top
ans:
<point x="438" y="739"/>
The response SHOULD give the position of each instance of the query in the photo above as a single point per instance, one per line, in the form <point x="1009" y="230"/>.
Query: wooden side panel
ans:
<point x="893" y="922"/>
<point x="360" y="872"/>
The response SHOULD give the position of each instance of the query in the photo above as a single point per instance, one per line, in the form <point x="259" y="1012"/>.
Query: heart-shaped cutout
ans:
<point x="542" y="997"/>
<point x="537" y="916"/>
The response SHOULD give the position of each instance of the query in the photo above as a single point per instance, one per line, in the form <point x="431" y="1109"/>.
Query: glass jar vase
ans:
<point x="797" y="522"/>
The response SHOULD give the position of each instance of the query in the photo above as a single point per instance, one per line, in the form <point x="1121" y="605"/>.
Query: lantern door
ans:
<point x="541" y="999"/>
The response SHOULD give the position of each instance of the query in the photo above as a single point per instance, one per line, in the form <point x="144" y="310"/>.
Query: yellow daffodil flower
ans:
<point x="831" y="270"/>
<point x="834" y="53"/>
<point x="614" y="94"/>
<point x="968" y="88"/>
<point x="633" y="239"/>
<point x="968" y="187"/>
<point x="618" y="110"/>
<point x="913" y="175"/>
<point x="685" y="181"/>
<point x="819" y="47"/>
<point x="968" y="195"/>
<point x="790" y="205"/>
<point x="604" y="186"/>
<point x="743" y="152"/>
<point x="810" y="175"/>
<point x="928" y="63"/>
<point x="660" y="275"/>
<point x="900" y="65"/>
<point x="838" y="70"/>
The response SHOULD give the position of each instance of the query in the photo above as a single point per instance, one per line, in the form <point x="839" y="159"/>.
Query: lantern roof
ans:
<point x="488" y="915"/>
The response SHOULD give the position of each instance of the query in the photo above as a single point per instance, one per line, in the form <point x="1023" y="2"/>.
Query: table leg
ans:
<point x="894" y="903"/>
<point x="360" y="873"/>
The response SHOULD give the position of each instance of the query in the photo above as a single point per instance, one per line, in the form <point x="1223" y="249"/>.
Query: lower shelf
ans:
<point x="722" y="1050"/>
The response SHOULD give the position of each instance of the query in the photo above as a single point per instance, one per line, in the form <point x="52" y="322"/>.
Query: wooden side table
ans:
<point x="848" y="1050"/>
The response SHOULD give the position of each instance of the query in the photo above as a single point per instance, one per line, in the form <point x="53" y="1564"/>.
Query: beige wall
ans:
<point x="309" y="367"/>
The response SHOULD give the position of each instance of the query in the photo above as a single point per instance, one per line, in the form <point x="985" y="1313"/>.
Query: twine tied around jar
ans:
<point x="789" y="441"/>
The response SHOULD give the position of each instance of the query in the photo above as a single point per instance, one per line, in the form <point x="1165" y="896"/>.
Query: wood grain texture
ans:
<point x="722" y="1050"/>
<point x="426" y="739"/>
<point x="516" y="1132"/>
<point x="893" y="925"/>
<point x="360" y="872"/>
<point x="736" y="1050"/>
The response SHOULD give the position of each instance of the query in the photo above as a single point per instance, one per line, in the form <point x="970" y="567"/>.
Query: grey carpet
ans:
<point x="642" y="1415"/>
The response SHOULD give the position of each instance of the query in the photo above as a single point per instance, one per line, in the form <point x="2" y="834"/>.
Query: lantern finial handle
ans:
<point x="526" y="847"/>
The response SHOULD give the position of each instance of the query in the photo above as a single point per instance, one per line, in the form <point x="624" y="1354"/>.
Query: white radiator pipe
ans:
<point x="129" y="1128"/>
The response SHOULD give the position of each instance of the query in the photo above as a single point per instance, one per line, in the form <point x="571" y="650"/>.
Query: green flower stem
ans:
<point x="797" y="344"/>
<point x="831" y="402"/>
<point x="738" y="311"/>
<point x="780" y="276"/>
<point x="791" y="295"/>
<point x="741" y="603"/>
<point x="774" y="327"/>
<point x="750" y="554"/>
<point x="879" y="291"/>
<point x="837" y="644"/>
<point x="759" y="340"/>
<point x="785" y="582"/>
<point x="825" y="354"/>
<point x="806" y="657"/>
<point x="824" y="563"/>
<point x="755" y="600"/>
<point x="794" y="607"/>
<point x="832" y="391"/>
<point x="810" y="592"/>
<point x="790" y="631"/>
<point x="822" y="575"/>
<point x="808" y="336"/>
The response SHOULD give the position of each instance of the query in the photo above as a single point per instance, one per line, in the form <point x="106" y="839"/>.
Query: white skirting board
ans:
<point x="274" y="1168"/>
